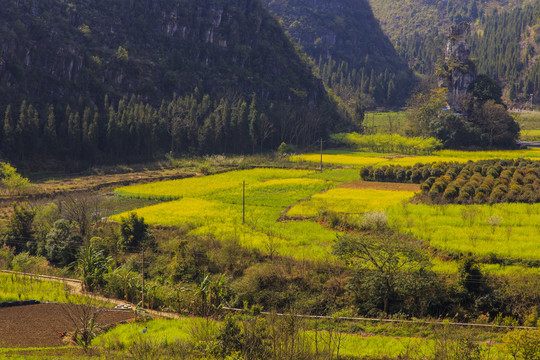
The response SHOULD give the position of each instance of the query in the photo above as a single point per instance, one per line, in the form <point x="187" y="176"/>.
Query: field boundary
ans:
<point x="351" y="318"/>
<point x="322" y="317"/>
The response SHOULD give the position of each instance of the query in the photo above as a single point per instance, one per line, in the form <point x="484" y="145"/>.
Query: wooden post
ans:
<point x="142" y="290"/>
<point x="321" y="156"/>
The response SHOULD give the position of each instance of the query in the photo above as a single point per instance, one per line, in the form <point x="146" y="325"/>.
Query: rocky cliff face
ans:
<point x="52" y="50"/>
<point x="458" y="71"/>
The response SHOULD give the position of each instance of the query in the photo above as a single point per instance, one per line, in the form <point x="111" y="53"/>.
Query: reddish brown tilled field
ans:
<point x="44" y="325"/>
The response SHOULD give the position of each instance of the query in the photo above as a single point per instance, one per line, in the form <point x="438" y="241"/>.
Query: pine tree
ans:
<point x="253" y="120"/>
<point x="21" y="130"/>
<point x="32" y="134"/>
<point x="390" y="92"/>
<point x="50" y="130"/>
<point x="242" y="127"/>
<point x="8" y="142"/>
<point x="93" y="133"/>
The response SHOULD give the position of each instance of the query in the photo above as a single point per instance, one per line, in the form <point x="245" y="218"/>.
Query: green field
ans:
<point x="212" y="205"/>
<point x="16" y="288"/>
<point x="350" y="201"/>
<point x="530" y="135"/>
<point x="165" y="332"/>
<point x="528" y="120"/>
<point x="184" y="332"/>
<point x="377" y="159"/>
<point x="502" y="230"/>
<point x="388" y="122"/>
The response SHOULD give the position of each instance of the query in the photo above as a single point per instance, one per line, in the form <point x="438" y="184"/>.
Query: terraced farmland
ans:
<point x="212" y="205"/>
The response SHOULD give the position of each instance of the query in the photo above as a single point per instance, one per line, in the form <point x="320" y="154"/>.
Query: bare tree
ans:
<point x="80" y="209"/>
<point x="83" y="316"/>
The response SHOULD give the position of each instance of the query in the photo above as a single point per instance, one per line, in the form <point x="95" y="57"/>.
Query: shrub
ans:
<point x="466" y="192"/>
<point x="378" y="174"/>
<point x="416" y="177"/>
<point x="437" y="187"/>
<point x="376" y="220"/>
<point x="451" y="192"/>
<point x="286" y="149"/>
<point x="389" y="174"/>
<point x="493" y="172"/>
<point x="12" y="180"/>
<point x="364" y="173"/>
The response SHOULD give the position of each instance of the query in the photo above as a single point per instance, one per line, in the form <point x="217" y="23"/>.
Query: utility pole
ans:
<point x="244" y="202"/>
<point x="321" y="155"/>
<point x="531" y="95"/>
<point x="142" y="290"/>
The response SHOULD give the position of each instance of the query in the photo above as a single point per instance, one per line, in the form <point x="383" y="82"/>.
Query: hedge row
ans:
<point x="488" y="181"/>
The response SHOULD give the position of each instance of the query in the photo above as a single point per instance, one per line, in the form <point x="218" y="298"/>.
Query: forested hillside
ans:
<point x="508" y="50"/>
<point x="94" y="78"/>
<point x="351" y="53"/>
<point x="418" y="28"/>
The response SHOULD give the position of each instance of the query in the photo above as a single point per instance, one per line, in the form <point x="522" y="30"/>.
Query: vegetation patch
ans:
<point x="491" y="181"/>
<point x="15" y="288"/>
<point x="388" y="143"/>
<point x="213" y="205"/>
<point x="350" y="201"/>
<point x="500" y="233"/>
<point x="355" y="158"/>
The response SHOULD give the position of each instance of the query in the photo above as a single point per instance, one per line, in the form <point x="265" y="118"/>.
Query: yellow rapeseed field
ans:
<point x="212" y="205"/>
<point x="380" y="159"/>
<point x="351" y="201"/>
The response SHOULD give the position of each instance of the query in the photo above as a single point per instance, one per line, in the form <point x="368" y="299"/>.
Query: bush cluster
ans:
<point x="487" y="181"/>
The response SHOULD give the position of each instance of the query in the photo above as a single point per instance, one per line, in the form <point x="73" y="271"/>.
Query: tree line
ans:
<point x="490" y="181"/>
<point x="364" y="85"/>
<point x="133" y="129"/>
<point x="506" y="50"/>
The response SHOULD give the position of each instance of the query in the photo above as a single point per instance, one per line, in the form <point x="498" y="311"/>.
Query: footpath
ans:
<point x="76" y="286"/>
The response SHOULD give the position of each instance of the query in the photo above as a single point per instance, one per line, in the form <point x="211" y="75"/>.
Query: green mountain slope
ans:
<point x="508" y="49"/>
<point x="213" y="54"/>
<point x="402" y="18"/>
<point x="418" y="28"/>
<point x="351" y="52"/>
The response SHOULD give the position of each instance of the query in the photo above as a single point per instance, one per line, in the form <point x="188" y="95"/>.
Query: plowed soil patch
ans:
<point x="44" y="325"/>
<point x="381" y="186"/>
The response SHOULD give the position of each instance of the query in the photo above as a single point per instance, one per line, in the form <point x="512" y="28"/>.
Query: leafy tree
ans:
<point x="359" y="113"/>
<point x="135" y="232"/>
<point x="20" y="227"/>
<point x="62" y="244"/>
<point x="523" y="344"/>
<point x="453" y="130"/>
<point x="386" y="256"/>
<point x="485" y="88"/>
<point x="11" y="180"/>
<point x="471" y="279"/>
<point x="211" y="295"/>
<point x="426" y="107"/>
<point x="253" y="120"/>
<point x="498" y="127"/>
